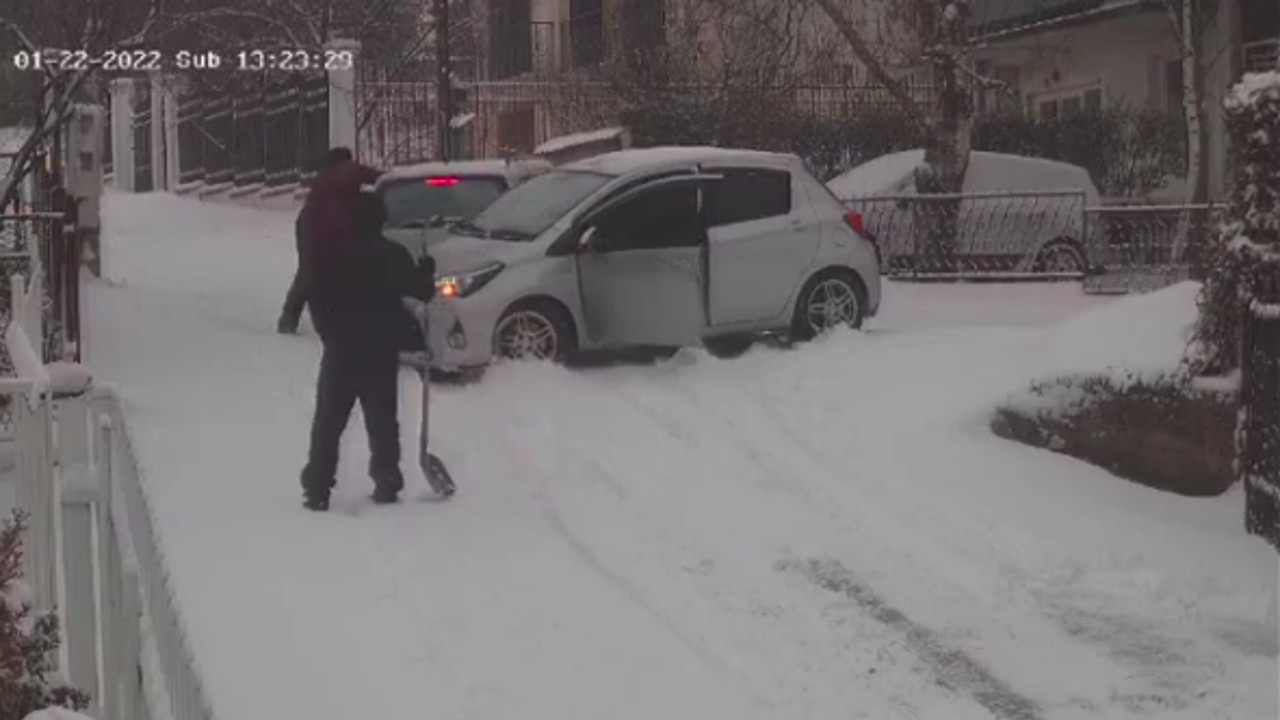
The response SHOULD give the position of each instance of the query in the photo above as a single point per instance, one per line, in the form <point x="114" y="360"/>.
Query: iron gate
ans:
<point x="142" y="177"/>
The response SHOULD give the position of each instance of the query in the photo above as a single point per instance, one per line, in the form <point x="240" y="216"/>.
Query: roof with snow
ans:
<point x="622" y="162"/>
<point x="1002" y="17"/>
<point x="565" y="142"/>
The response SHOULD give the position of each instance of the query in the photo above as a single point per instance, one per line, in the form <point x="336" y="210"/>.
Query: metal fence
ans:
<point x="977" y="235"/>
<point x="91" y="544"/>
<point x="1138" y="248"/>
<point x="142" y="156"/>
<point x="396" y="121"/>
<point x="258" y="131"/>
<point x="108" y="149"/>
<point x="27" y="297"/>
<point x="1259" y="432"/>
<point x="1036" y="235"/>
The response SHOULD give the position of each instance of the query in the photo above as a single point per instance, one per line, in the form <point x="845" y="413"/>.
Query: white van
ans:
<point x="1017" y="214"/>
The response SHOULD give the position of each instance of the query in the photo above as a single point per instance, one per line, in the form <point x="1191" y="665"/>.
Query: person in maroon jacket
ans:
<point x="357" y="296"/>
<point x="323" y="223"/>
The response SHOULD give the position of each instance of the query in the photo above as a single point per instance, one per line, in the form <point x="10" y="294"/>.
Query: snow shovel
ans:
<point x="432" y="466"/>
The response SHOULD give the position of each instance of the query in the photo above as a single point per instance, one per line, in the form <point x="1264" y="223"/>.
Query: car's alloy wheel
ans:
<point x="832" y="302"/>
<point x="527" y="335"/>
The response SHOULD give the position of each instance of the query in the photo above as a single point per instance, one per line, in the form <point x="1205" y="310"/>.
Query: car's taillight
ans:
<point x="854" y="220"/>
<point x="442" y="181"/>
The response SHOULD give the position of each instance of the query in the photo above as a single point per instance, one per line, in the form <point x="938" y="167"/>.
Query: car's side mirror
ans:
<point x="586" y="239"/>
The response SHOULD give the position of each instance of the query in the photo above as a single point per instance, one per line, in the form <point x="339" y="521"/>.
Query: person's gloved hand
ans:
<point x="425" y="275"/>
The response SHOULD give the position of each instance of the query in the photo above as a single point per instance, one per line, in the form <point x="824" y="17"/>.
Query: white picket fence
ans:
<point x="92" y="552"/>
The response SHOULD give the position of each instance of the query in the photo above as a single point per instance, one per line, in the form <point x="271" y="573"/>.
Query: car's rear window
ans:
<point x="451" y="197"/>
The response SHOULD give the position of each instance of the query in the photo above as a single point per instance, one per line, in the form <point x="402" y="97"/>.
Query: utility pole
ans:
<point x="444" y="82"/>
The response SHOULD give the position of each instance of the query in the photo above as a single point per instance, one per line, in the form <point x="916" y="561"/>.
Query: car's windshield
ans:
<point x="415" y="202"/>
<point x="527" y="211"/>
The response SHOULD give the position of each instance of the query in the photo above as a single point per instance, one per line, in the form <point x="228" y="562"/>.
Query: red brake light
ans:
<point x="854" y="219"/>
<point x="442" y="181"/>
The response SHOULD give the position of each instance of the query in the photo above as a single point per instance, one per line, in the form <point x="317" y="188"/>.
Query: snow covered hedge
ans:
<point x="1245" y="261"/>
<point x="29" y="681"/>
<point x="1157" y="431"/>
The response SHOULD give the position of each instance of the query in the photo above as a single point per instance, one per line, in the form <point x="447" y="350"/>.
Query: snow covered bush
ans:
<point x="1244" y="261"/>
<point x="1158" y="431"/>
<point x="29" y="680"/>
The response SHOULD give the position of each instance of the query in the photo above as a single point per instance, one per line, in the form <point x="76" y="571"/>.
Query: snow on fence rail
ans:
<point x="92" y="550"/>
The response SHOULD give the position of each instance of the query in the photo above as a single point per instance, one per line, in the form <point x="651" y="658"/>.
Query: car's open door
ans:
<point x="641" y="265"/>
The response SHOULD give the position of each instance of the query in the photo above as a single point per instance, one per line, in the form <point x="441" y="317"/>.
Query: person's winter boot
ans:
<point x="387" y="484"/>
<point x="316" y="501"/>
<point x="383" y="495"/>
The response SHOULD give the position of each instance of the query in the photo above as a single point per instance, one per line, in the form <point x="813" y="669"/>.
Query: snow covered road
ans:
<point x="829" y="532"/>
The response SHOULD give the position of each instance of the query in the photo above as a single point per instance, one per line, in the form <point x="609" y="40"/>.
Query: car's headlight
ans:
<point x="461" y="285"/>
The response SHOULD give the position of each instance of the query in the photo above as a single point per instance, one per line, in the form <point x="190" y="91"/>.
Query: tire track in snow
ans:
<point x="952" y="667"/>
<point x="762" y="628"/>
<point x="822" y="491"/>
<point x="631" y="592"/>
<point x="1171" y="667"/>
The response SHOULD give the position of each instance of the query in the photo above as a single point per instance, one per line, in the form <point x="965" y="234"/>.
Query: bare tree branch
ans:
<point x="863" y="53"/>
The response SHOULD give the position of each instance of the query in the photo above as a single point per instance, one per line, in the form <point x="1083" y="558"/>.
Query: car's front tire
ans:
<point x="832" y="298"/>
<point x="535" y="329"/>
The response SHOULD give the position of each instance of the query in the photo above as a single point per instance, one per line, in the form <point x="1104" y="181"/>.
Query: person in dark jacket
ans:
<point x="324" y="219"/>
<point x="356" y="294"/>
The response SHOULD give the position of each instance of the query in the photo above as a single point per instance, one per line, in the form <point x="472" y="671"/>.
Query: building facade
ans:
<point x="1056" y="57"/>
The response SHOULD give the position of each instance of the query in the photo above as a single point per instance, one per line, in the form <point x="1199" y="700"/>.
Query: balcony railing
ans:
<point x="1262" y="55"/>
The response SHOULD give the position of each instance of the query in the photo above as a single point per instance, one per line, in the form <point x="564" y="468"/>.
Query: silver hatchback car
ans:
<point x="656" y="247"/>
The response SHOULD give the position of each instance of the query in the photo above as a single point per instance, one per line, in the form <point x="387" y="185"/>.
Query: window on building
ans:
<point x="586" y="32"/>
<point x="1007" y="93"/>
<point x="1051" y="106"/>
<point x="645" y="23"/>
<point x="510" y="38"/>
<point x="1093" y="100"/>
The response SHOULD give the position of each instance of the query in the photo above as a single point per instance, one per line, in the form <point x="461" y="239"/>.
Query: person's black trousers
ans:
<point x="343" y="381"/>
<point x="295" y="300"/>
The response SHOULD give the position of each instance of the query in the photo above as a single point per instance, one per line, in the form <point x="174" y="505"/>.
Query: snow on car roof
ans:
<point x="876" y="176"/>
<point x="879" y="175"/>
<point x="521" y="168"/>
<point x="622" y="162"/>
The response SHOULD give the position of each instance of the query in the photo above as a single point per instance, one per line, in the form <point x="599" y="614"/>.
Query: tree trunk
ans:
<point x="1193" y="231"/>
<point x="946" y="152"/>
